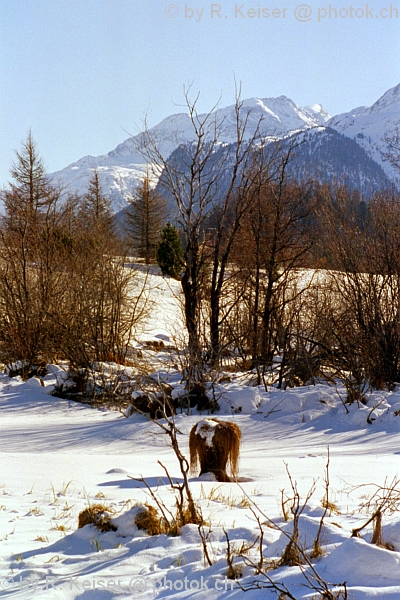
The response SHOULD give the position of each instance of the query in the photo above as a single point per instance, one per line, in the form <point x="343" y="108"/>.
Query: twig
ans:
<point x="204" y="540"/>
<point x="316" y="546"/>
<point x="369" y="420"/>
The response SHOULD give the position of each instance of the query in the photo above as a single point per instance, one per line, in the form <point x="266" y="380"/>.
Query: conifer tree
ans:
<point x="169" y="252"/>
<point x="95" y="211"/>
<point x="145" y="220"/>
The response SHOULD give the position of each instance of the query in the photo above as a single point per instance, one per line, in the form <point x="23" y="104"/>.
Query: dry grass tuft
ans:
<point x="316" y="551"/>
<point x="98" y="515"/>
<point x="330" y="506"/>
<point x="149" y="520"/>
<point x="292" y="555"/>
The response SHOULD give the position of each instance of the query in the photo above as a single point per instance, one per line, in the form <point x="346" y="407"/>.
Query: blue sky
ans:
<point x="82" y="74"/>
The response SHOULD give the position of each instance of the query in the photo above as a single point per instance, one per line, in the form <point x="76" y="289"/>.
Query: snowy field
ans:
<point x="58" y="457"/>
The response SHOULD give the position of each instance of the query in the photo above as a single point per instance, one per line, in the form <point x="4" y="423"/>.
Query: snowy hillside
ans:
<point x="122" y="168"/>
<point x="321" y="153"/>
<point x="368" y="125"/>
<point x="58" y="457"/>
<point x="329" y="156"/>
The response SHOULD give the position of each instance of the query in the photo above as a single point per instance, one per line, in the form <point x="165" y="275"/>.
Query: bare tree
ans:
<point x="248" y="166"/>
<point x="145" y="219"/>
<point x="34" y="247"/>
<point x="364" y="315"/>
<point x="275" y="235"/>
<point x="105" y="298"/>
<point x="194" y="177"/>
<point x="96" y="217"/>
<point x="64" y="289"/>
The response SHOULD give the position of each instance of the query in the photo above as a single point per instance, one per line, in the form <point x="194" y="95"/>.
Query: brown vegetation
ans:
<point x="65" y="291"/>
<point x="213" y="444"/>
<point x="148" y="519"/>
<point x="97" y="515"/>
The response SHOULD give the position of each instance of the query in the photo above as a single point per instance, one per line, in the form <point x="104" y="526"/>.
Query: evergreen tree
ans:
<point x="32" y="252"/>
<point x="31" y="189"/>
<point x="145" y="220"/>
<point x="96" y="217"/>
<point x="169" y="252"/>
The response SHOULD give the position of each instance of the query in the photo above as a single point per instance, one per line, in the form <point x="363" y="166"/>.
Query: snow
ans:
<point x="57" y="457"/>
<point x="318" y="111"/>
<point x="368" y="126"/>
<point x="123" y="168"/>
<point x="362" y="563"/>
<point x="206" y="429"/>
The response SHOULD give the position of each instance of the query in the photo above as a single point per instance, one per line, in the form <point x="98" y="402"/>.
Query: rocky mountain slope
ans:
<point x="121" y="169"/>
<point x="368" y="126"/>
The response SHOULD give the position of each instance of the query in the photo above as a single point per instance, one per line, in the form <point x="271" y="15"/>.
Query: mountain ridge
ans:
<point x="368" y="126"/>
<point x="122" y="168"/>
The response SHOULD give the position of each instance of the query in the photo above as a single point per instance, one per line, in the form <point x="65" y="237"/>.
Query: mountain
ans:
<point x="331" y="157"/>
<point x="121" y="169"/>
<point x="320" y="153"/>
<point x="368" y="125"/>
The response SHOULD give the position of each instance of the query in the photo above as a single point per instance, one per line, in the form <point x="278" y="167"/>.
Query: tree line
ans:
<point x="294" y="280"/>
<point x="64" y="290"/>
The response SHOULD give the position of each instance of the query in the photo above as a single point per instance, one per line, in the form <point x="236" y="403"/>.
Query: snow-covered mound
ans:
<point x="58" y="458"/>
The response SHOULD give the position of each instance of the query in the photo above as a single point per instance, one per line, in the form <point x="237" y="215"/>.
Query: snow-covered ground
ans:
<point x="58" y="457"/>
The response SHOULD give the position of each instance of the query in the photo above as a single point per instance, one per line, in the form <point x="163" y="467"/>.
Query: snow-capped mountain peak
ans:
<point x="390" y="101"/>
<point x="318" y="112"/>
<point x="369" y="125"/>
<point x="123" y="168"/>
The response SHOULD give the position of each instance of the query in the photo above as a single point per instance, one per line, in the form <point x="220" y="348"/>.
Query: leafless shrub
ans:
<point x="363" y="323"/>
<point x="294" y="554"/>
<point x="187" y="509"/>
<point x="65" y="291"/>
<point x="234" y="571"/>
<point x="384" y="500"/>
<point x="317" y="550"/>
<point x="205" y="541"/>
